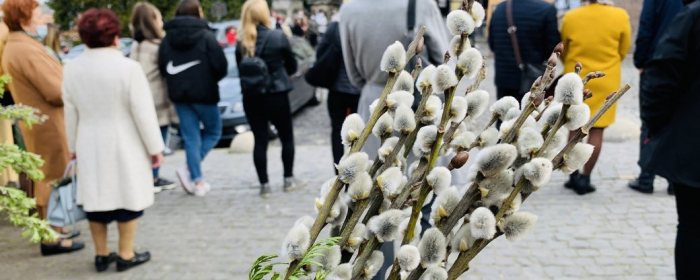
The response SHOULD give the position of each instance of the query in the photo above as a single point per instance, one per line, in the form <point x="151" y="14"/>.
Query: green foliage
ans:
<point x="258" y="271"/>
<point x="13" y="201"/>
<point x="66" y="12"/>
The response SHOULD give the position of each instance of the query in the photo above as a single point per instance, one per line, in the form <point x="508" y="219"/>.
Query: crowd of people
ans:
<point x="114" y="120"/>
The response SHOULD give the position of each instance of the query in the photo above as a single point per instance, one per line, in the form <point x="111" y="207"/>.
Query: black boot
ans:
<point x="644" y="183"/>
<point x="584" y="185"/>
<point x="138" y="259"/>
<point x="102" y="262"/>
<point x="671" y="189"/>
<point x="573" y="180"/>
<point x="55" y="249"/>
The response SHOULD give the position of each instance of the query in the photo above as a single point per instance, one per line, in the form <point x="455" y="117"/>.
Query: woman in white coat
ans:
<point x="113" y="132"/>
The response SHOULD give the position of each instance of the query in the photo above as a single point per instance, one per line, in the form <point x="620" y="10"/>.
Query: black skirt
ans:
<point x="119" y="215"/>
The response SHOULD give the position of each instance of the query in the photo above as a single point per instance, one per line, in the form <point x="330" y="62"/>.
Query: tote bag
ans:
<point x="63" y="209"/>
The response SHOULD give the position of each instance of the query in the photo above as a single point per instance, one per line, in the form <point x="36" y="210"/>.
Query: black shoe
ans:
<point x="164" y="184"/>
<point x="637" y="185"/>
<point x="265" y="190"/>
<point x="138" y="259"/>
<point x="573" y="180"/>
<point x="583" y="185"/>
<point x="671" y="189"/>
<point x="56" y="249"/>
<point x="102" y="263"/>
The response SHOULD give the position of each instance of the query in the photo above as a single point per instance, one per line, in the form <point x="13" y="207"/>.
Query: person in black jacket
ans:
<point x="193" y="63"/>
<point x="257" y="39"/>
<point x="343" y="96"/>
<point x="671" y="108"/>
<point x="656" y="15"/>
<point x="537" y="33"/>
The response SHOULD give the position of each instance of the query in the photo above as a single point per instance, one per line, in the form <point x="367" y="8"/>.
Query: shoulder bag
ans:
<point x="529" y="71"/>
<point x="254" y="73"/>
<point x="325" y="70"/>
<point x="63" y="209"/>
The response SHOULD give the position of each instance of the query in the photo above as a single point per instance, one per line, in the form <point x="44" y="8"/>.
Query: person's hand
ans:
<point x="640" y="71"/>
<point x="156" y="160"/>
<point x="72" y="156"/>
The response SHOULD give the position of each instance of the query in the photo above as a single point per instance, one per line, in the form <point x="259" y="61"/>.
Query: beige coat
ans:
<point x="112" y="127"/>
<point x="36" y="82"/>
<point x="146" y="53"/>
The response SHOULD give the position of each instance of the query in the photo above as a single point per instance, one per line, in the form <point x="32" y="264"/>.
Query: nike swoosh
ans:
<point x="174" y="70"/>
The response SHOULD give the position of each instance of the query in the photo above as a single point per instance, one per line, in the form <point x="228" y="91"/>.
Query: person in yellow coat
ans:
<point x="598" y="36"/>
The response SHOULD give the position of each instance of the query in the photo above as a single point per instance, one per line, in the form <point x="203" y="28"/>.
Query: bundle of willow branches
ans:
<point x="372" y="202"/>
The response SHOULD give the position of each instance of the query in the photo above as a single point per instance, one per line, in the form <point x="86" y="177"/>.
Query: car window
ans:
<point x="301" y="48"/>
<point x="232" y="66"/>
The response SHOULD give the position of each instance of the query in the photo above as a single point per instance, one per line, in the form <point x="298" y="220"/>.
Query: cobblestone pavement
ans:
<point x="613" y="233"/>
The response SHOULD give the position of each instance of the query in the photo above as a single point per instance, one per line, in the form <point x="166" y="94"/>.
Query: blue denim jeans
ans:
<point x="198" y="142"/>
<point x="163" y="132"/>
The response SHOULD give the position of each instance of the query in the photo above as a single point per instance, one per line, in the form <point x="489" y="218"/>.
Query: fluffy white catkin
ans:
<point x="351" y="166"/>
<point x="342" y="272"/>
<point x="463" y="239"/>
<point x="577" y="116"/>
<point x="387" y="147"/>
<point x="488" y="137"/>
<point x="477" y="102"/>
<point x="458" y="110"/>
<point x="373" y="105"/>
<point x="513" y="113"/>
<point x="424" y="140"/>
<point x="408" y="257"/>
<point x="550" y="116"/>
<point x="404" y="119"/>
<point x="454" y="45"/>
<point x="394" y="58"/>
<point x="404" y="82"/>
<point x="439" y="179"/>
<point x="329" y="259"/>
<point x="463" y="141"/>
<point x="529" y="141"/>
<point x="478" y="13"/>
<point x="470" y="62"/>
<point x="399" y="98"/>
<point x="578" y="156"/>
<point x="501" y="106"/>
<point x="386" y="225"/>
<point x="307" y="221"/>
<point x="384" y="126"/>
<point x="432" y="107"/>
<point x="296" y="243"/>
<point x="483" y="223"/>
<point x="425" y="79"/>
<point x="538" y="171"/>
<point x="374" y="264"/>
<point x="434" y="273"/>
<point x="391" y="181"/>
<point x="432" y="247"/>
<point x="445" y="203"/>
<point x="358" y="235"/>
<point x="443" y="78"/>
<point x="352" y="128"/>
<point x="460" y="22"/>
<point x="518" y="225"/>
<point x="360" y="188"/>
<point x="569" y="89"/>
<point x="495" y="159"/>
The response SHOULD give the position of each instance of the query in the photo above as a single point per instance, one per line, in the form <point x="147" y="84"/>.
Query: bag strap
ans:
<point x="411" y="15"/>
<point x="70" y="169"/>
<point x="513" y="37"/>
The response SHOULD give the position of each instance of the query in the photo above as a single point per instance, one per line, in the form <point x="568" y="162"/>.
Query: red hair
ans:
<point x="18" y="12"/>
<point x="98" y="28"/>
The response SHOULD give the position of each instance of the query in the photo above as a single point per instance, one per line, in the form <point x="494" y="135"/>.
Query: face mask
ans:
<point x="41" y="30"/>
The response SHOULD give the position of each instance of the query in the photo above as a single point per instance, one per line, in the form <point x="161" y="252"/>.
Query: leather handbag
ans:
<point x="325" y="70"/>
<point x="529" y="71"/>
<point x="63" y="209"/>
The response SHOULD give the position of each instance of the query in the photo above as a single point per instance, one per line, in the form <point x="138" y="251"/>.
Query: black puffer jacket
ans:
<point x="192" y="61"/>
<point x="671" y="100"/>
<point x="278" y="56"/>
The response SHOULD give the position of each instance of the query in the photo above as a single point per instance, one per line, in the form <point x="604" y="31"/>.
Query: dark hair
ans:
<point x="18" y="12"/>
<point x="231" y="27"/>
<point x="98" y="28"/>
<point x="143" y="21"/>
<point x="189" y="8"/>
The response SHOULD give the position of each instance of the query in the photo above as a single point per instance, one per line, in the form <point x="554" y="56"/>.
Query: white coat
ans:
<point x="112" y="127"/>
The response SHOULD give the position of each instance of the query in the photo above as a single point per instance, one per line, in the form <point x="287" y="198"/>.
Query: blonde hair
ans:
<point x="254" y="12"/>
<point x="52" y="39"/>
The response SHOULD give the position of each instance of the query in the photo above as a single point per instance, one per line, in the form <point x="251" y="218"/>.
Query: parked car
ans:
<point x="124" y="46"/>
<point x="231" y="105"/>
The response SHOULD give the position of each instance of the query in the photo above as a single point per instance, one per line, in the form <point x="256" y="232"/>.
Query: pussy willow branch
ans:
<point x="461" y="265"/>
<point x="320" y="221"/>
<point x="480" y="77"/>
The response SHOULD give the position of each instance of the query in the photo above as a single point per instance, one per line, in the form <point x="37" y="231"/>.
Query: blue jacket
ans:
<point x="537" y="33"/>
<point x="656" y="15"/>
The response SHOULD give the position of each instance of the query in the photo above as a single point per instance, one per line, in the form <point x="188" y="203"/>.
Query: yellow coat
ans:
<point x="598" y="36"/>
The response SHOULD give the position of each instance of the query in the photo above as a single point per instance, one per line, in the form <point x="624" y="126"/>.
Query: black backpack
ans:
<point x="254" y="74"/>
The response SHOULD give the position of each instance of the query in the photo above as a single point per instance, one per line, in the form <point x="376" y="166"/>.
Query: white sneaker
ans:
<point x="203" y="190"/>
<point x="185" y="181"/>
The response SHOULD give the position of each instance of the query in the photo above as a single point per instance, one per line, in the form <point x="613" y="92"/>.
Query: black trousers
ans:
<point x="645" y="177"/>
<point x="261" y="111"/>
<point x="340" y="105"/>
<point x="688" y="236"/>
<point x="502" y="92"/>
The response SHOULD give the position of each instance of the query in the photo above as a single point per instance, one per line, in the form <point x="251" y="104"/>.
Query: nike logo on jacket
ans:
<point x="174" y="70"/>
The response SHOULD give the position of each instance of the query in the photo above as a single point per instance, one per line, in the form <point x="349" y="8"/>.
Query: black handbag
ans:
<point x="529" y="71"/>
<point x="325" y="70"/>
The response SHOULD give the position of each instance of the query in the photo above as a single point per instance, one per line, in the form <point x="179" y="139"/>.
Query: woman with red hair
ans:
<point x="36" y="82"/>
<point x="113" y="132"/>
